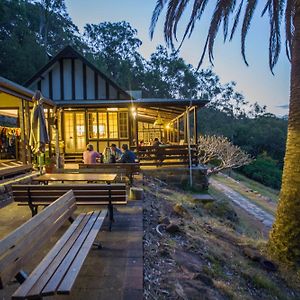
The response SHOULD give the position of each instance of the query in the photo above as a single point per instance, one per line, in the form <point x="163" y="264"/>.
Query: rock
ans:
<point x="203" y="198"/>
<point x="172" y="228"/>
<point x="251" y="253"/>
<point x="136" y="193"/>
<point x="164" y="252"/>
<point x="180" y="210"/>
<point x="205" y="279"/>
<point x="188" y="261"/>
<point x="268" y="265"/>
<point x="164" y="220"/>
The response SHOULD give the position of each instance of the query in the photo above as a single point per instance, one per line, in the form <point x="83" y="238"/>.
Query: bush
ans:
<point x="264" y="170"/>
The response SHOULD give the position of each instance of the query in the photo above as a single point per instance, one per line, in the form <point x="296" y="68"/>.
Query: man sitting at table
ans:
<point x="90" y="156"/>
<point x="127" y="156"/>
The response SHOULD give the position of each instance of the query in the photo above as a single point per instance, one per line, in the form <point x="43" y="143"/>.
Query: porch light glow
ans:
<point x="133" y="111"/>
<point x="158" y="121"/>
<point x="168" y="126"/>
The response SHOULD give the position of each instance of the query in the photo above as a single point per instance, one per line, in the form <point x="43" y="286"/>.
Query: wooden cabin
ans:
<point x="94" y="109"/>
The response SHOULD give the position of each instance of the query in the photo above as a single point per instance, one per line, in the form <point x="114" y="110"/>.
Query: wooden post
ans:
<point x="27" y="131"/>
<point x="196" y="124"/>
<point x="22" y="149"/>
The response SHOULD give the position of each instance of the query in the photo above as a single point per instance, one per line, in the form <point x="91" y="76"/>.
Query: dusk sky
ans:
<point x="256" y="81"/>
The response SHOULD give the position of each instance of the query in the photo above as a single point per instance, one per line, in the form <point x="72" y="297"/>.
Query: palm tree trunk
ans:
<point x="284" y="240"/>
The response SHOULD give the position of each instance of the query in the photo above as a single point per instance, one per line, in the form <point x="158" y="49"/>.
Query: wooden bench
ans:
<point x="85" y="194"/>
<point x="6" y="171"/>
<point x="166" y="155"/>
<point x="122" y="169"/>
<point x="57" y="272"/>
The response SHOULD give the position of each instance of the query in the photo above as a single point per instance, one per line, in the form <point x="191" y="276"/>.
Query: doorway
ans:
<point x="75" y="131"/>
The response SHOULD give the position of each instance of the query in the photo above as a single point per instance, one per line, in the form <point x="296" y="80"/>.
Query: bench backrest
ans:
<point x="121" y="167"/>
<point x="84" y="193"/>
<point x="20" y="246"/>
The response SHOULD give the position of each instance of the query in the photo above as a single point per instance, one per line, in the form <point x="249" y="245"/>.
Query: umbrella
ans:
<point x="38" y="133"/>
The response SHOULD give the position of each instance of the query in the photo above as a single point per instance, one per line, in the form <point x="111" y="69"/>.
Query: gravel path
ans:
<point x="261" y="215"/>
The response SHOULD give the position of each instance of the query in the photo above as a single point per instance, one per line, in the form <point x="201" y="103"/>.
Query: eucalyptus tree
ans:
<point x="285" y="234"/>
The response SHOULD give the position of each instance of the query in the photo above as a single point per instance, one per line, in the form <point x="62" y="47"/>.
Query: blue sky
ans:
<point x="256" y="81"/>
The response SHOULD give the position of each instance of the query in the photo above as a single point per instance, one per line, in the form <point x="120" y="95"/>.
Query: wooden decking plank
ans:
<point x="54" y="263"/>
<point x="40" y="269"/>
<point x="60" y="272"/>
<point x="68" y="281"/>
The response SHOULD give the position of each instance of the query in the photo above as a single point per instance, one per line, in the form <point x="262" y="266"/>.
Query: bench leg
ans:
<point x="110" y="215"/>
<point x="34" y="209"/>
<point x="21" y="276"/>
<point x="98" y="245"/>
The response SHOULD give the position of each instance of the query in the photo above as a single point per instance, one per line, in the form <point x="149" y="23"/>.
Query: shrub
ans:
<point x="264" y="170"/>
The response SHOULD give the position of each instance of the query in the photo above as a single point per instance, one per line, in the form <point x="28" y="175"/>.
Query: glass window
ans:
<point x="93" y="133"/>
<point x="102" y="125"/>
<point x="113" y="125"/>
<point x="123" y="123"/>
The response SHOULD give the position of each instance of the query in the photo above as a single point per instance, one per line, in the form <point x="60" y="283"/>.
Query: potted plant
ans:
<point x="50" y="164"/>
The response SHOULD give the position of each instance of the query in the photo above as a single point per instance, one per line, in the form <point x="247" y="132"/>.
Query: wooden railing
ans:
<point x="166" y="155"/>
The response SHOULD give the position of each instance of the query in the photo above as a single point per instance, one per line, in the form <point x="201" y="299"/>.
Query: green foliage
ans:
<point x="265" y="170"/>
<point x="23" y="44"/>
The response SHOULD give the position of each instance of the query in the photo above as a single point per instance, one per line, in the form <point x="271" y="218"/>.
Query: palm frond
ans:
<point x="236" y="20"/>
<point x="155" y="15"/>
<point x="224" y="9"/>
<point x="221" y="13"/>
<point x="198" y="9"/>
<point x="250" y="7"/>
<point x="289" y="30"/>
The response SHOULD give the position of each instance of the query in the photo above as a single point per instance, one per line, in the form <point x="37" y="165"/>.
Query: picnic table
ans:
<point x="108" y="178"/>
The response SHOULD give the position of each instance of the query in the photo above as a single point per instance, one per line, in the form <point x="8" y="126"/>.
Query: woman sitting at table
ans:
<point x="90" y="156"/>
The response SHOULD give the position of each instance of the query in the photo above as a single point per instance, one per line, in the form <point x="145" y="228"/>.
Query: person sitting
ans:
<point x="159" y="153"/>
<point x="90" y="156"/>
<point x="127" y="156"/>
<point x="156" y="143"/>
<point x="115" y="153"/>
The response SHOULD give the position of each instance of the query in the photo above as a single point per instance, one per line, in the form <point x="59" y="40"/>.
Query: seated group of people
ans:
<point x="90" y="156"/>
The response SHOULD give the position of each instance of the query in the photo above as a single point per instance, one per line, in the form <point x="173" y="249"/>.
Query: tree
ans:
<point x="221" y="154"/>
<point x="285" y="234"/>
<point x="114" y="49"/>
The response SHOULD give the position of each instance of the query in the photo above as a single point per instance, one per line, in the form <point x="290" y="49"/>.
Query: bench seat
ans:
<point x="57" y="272"/>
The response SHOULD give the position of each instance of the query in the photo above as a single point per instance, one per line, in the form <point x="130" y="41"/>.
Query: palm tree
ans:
<point x="284" y="242"/>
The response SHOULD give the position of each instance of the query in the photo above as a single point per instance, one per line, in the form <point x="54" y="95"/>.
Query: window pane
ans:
<point x="102" y="125"/>
<point x="93" y="132"/>
<point x="123" y="123"/>
<point x="113" y="125"/>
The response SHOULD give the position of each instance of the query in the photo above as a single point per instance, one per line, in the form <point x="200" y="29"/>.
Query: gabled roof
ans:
<point x="70" y="52"/>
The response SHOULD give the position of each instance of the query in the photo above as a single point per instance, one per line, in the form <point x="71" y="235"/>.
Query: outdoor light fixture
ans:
<point x="168" y="126"/>
<point x="133" y="111"/>
<point x="158" y="122"/>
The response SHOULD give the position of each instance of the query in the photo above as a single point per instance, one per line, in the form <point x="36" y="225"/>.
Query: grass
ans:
<point x="256" y="186"/>
<point x="269" y="207"/>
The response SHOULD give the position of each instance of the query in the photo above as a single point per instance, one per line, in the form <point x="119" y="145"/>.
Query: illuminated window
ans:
<point x="102" y="125"/>
<point x="93" y="134"/>
<point x="123" y="123"/>
<point x="113" y="125"/>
